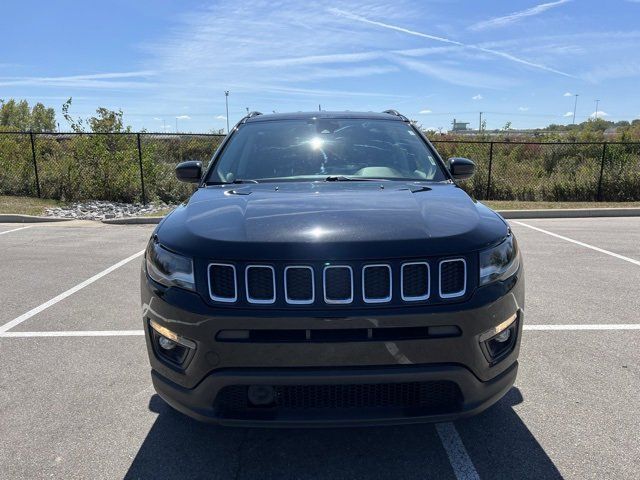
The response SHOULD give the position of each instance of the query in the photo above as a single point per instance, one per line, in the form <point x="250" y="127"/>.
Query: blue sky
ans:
<point x="518" y="61"/>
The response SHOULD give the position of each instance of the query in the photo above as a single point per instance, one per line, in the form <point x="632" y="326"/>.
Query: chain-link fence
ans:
<point x="138" y="167"/>
<point x="551" y="171"/>
<point x="126" y="167"/>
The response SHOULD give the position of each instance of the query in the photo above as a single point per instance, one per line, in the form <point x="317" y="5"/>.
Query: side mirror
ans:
<point x="461" y="168"/>
<point x="190" y="172"/>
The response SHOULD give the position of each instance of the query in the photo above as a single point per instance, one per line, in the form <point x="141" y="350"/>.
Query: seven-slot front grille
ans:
<point x="430" y="280"/>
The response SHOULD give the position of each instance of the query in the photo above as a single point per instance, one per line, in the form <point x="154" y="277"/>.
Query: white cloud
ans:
<point x="523" y="109"/>
<point x="568" y="114"/>
<point x="183" y="117"/>
<point x="109" y="80"/>
<point x="220" y="117"/>
<point x="599" y="114"/>
<point x="424" y="112"/>
<point x="477" y="48"/>
<point x="568" y="94"/>
<point x="157" y="118"/>
<point x="456" y="76"/>
<point x="516" y="16"/>
<point x="477" y="97"/>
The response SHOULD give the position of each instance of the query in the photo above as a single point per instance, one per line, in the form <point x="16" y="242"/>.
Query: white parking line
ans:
<point x="460" y="461"/>
<point x="16" y="321"/>
<point x="582" y="244"/>
<point x="600" y="326"/>
<point x="74" y="333"/>
<point x="15" y="229"/>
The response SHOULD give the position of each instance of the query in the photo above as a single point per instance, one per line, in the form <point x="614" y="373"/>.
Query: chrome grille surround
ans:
<point x="345" y="300"/>
<point x="411" y="298"/>
<point x="313" y="286"/>
<point x="247" y="286"/>
<point x="235" y="283"/>
<point x="459" y="293"/>
<point x="364" y="284"/>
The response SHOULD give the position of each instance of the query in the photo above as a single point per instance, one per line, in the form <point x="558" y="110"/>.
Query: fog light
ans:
<point x="169" y="345"/>
<point x="172" y="336"/>
<point x="166" y="344"/>
<point x="503" y="336"/>
<point x="501" y="327"/>
<point x="497" y="342"/>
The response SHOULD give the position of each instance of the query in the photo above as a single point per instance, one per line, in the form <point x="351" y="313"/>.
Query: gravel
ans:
<point x="101" y="210"/>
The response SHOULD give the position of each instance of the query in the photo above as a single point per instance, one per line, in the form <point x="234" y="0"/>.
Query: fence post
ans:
<point x="144" y="194"/>
<point x="489" y="174"/>
<point x="35" y="162"/>
<point x="602" y="160"/>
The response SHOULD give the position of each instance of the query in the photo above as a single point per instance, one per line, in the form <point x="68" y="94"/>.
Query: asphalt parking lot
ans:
<point x="76" y="399"/>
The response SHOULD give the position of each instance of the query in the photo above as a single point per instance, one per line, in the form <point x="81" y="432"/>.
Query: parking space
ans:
<point x="83" y="406"/>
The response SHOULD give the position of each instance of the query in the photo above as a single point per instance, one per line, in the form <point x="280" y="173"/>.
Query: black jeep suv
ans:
<point x="329" y="270"/>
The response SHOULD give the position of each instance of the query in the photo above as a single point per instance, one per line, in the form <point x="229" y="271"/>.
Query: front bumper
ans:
<point x="194" y="387"/>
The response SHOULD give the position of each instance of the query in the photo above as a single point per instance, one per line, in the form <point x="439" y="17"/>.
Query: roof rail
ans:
<point x="396" y="113"/>
<point x="250" y="115"/>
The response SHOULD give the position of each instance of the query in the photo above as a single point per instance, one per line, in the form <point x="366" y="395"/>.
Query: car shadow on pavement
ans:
<point x="498" y="443"/>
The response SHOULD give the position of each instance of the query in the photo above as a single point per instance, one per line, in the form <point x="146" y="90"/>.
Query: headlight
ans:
<point x="500" y="262"/>
<point x="168" y="268"/>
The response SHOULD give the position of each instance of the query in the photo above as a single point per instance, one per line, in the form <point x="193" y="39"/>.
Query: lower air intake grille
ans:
<point x="436" y="396"/>
<point x="453" y="280"/>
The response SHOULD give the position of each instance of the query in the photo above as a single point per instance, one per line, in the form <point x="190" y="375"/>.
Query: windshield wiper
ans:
<point x="344" y="178"/>
<point x="236" y="181"/>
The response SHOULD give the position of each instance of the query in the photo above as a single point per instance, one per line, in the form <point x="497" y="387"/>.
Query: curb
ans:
<point x="507" y="214"/>
<point x="571" y="213"/>
<point x="133" y="220"/>
<point x="16" y="218"/>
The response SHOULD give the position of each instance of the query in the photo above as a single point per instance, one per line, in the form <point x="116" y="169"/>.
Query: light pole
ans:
<point x="596" y="114"/>
<point x="575" y="105"/>
<point x="226" y="103"/>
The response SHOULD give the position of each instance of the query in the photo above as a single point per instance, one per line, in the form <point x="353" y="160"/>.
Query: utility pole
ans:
<point x="480" y="123"/>
<point x="575" y="105"/>
<point x="226" y="104"/>
<point x="176" y="124"/>
<point x="596" y="114"/>
<point x="319" y="108"/>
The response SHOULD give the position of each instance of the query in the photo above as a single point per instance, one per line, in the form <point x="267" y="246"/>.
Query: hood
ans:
<point x="330" y="220"/>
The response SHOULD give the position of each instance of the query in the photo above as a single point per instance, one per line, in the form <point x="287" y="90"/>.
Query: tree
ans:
<point x="105" y="120"/>
<point x="43" y="119"/>
<point x="18" y="116"/>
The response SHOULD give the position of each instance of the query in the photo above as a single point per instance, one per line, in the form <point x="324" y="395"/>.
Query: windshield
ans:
<point x="332" y="149"/>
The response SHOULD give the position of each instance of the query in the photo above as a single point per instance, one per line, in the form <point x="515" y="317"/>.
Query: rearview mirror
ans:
<point x="461" y="168"/>
<point x="190" y="172"/>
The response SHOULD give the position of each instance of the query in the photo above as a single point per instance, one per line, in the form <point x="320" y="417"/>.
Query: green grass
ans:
<point x="26" y="205"/>
<point x="520" y="205"/>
